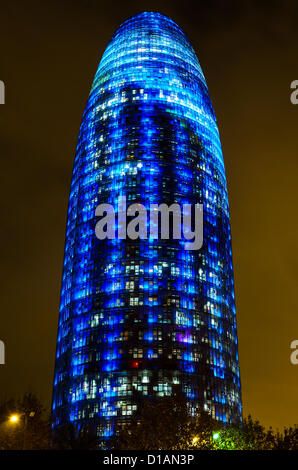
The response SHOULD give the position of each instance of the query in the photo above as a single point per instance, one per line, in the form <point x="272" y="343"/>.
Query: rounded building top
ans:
<point x="151" y="53"/>
<point x="151" y="36"/>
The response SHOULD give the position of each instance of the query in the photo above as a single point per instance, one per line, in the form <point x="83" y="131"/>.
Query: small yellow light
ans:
<point x="14" y="419"/>
<point x="195" y="439"/>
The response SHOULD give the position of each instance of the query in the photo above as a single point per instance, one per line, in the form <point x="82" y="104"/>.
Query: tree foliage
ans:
<point x="166" y="424"/>
<point x="160" y="423"/>
<point x="71" y="437"/>
<point x="31" y="431"/>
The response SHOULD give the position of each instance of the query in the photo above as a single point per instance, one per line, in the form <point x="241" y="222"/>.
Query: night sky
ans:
<point x="49" y="53"/>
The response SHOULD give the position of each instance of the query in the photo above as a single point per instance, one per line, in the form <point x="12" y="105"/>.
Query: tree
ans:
<point x="166" y="424"/>
<point x="198" y="434"/>
<point x="31" y="427"/>
<point x="256" y="436"/>
<point x="158" y="424"/>
<point x="72" y="437"/>
<point x="288" y="440"/>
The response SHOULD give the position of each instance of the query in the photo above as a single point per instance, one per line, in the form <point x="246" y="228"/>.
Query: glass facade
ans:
<point x="141" y="316"/>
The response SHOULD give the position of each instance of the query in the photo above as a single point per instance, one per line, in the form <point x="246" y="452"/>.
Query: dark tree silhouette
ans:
<point x="165" y="424"/>
<point x="31" y="431"/>
<point x="160" y="423"/>
<point x="72" y="437"/>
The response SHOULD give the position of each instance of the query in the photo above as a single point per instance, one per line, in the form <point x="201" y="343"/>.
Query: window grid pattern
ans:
<point x="143" y="316"/>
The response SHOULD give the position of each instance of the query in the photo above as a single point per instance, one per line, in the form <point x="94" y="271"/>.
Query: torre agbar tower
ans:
<point x="146" y="316"/>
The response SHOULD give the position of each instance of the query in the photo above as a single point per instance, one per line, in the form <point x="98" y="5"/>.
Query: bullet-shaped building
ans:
<point x="144" y="315"/>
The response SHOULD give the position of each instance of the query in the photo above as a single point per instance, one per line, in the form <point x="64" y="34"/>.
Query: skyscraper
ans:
<point x="145" y="315"/>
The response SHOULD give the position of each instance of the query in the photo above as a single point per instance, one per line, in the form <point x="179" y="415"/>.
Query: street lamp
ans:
<point x="215" y="435"/>
<point x="14" y="418"/>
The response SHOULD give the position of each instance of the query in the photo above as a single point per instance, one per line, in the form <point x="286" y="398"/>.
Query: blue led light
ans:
<point x="144" y="315"/>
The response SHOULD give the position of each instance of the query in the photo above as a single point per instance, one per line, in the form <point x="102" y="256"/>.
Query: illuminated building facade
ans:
<point x="146" y="315"/>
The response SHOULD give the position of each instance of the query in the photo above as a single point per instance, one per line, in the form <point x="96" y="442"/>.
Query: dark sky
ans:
<point x="49" y="52"/>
